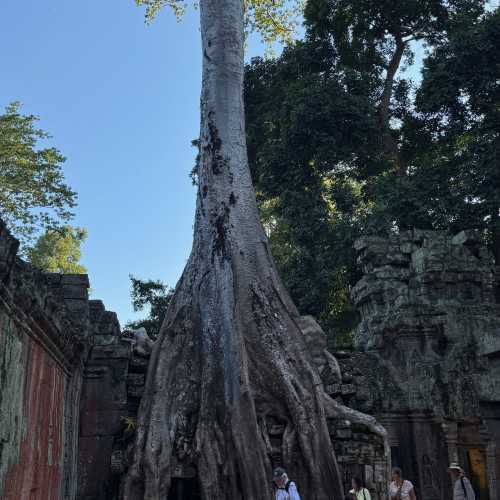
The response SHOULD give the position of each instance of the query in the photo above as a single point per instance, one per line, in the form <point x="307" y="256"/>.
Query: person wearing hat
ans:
<point x="285" y="489"/>
<point x="462" y="489"/>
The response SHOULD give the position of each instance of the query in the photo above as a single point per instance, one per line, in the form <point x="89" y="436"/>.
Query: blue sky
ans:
<point x="121" y="101"/>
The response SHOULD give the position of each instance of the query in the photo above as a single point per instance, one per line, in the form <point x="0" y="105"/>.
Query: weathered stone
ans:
<point x="44" y="341"/>
<point x="317" y="344"/>
<point x="47" y="423"/>
<point x="95" y="474"/>
<point x="466" y="237"/>
<point x="136" y="379"/>
<point x="118" y="462"/>
<point x="347" y="389"/>
<point x="428" y="350"/>
<point x="135" y="391"/>
<point x="333" y="389"/>
<point x="343" y="434"/>
<point x="138" y="363"/>
<point x="105" y="422"/>
<point x="116" y="351"/>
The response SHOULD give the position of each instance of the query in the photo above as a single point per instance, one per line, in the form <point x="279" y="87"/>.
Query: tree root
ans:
<point x="333" y="409"/>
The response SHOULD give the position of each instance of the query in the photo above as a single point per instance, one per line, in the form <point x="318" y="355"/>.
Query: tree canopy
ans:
<point x="33" y="192"/>
<point x="342" y="144"/>
<point x="460" y="99"/>
<point x="58" y="250"/>
<point x="273" y="20"/>
<point x="154" y="296"/>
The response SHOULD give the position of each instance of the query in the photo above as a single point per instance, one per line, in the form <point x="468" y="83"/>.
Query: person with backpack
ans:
<point x="462" y="489"/>
<point x="284" y="488"/>
<point x="358" y="491"/>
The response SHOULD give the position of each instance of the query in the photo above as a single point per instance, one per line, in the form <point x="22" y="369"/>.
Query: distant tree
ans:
<point x="374" y="37"/>
<point x="33" y="194"/>
<point x="58" y="250"/>
<point x="460" y="98"/>
<point x="152" y="295"/>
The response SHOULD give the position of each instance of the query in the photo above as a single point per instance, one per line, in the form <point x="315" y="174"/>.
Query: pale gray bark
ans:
<point x="392" y="69"/>
<point x="230" y="352"/>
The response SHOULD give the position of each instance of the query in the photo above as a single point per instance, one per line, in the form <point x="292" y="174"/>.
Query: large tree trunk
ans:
<point x="390" y="144"/>
<point x="230" y="353"/>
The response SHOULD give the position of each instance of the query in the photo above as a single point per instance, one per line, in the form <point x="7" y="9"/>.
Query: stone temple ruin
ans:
<point x="426" y="364"/>
<point x="427" y="358"/>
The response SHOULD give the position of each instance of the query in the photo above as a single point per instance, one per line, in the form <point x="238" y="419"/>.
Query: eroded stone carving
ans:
<point x="428" y="347"/>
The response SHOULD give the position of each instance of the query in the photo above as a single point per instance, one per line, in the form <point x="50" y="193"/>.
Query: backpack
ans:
<point x="464" y="488"/>
<point x="287" y="486"/>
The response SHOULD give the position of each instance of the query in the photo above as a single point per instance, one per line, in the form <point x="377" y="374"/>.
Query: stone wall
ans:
<point x="114" y="380"/>
<point x="45" y="335"/>
<point x="427" y="358"/>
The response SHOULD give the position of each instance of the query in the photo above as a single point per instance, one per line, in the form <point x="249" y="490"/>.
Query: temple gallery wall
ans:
<point x="426" y="364"/>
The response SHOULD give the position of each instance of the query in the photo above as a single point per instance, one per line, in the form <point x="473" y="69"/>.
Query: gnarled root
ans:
<point x="333" y="409"/>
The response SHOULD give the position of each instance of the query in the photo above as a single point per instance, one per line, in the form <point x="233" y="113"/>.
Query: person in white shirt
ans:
<point x="285" y="489"/>
<point x="359" y="492"/>
<point x="400" y="489"/>
<point x="462" y="489"/>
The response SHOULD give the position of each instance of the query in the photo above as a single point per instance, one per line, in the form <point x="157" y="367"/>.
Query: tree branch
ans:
<point x="392" y="69"/>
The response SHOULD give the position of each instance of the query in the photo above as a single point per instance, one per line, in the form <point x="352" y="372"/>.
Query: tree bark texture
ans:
<point x="230" y="353"/>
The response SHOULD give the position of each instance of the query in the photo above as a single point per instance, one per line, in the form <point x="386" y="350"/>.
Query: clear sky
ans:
<point x="121" y="101"/>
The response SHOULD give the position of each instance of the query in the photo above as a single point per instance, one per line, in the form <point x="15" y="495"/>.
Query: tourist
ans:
<point x="358" y="491"/>
<point x="285" y="489"/>
<point x="462" y="489"/>
<point x="400" y="489"/>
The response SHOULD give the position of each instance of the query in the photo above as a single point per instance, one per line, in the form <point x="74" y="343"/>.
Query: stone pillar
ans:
<point x="450" y="431"/>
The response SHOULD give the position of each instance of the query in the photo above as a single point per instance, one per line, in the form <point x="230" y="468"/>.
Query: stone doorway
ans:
<point x="184" y="489"/>
<point x="477" y="464"/>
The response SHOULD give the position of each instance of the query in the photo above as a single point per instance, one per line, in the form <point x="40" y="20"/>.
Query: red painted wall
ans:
<point x="38" y="472"/>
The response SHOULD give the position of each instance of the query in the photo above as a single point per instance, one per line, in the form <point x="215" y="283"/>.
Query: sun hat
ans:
<point x="455" y="466"/>
<point x="278" y="472"/>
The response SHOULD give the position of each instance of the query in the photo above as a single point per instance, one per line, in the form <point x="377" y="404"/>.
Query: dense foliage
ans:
<point x="340" y="144"/>
<point x="154" y="296"/>
<point x="58" y="250"/>
<point x="33" y="193"/>
<point x="460" y="97"/>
